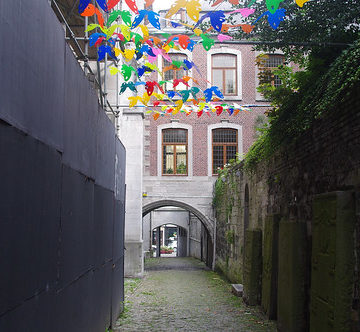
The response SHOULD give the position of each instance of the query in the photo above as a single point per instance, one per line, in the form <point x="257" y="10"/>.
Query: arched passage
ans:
<point x="206" y="244"/>
<point x="162" y="203"/>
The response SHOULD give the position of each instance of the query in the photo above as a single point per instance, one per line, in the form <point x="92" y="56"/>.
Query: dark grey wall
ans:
<point x="62" y="175"/>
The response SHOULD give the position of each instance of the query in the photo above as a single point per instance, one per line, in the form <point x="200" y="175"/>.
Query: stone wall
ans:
<point x="324" y="161"/>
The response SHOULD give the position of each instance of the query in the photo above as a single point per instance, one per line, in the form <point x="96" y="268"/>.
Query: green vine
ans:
<point x="309" y="95"/>
<point x="230" y="236"/>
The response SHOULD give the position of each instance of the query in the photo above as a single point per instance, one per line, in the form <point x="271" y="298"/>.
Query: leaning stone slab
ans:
<point x="270" y="266"/>
<point x="332" y="262"/>
<point x="291" y="308"/>
<point x="252" y="267"/>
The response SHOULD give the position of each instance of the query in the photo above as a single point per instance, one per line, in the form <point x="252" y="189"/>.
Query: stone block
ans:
<point x="270" y="266"/>
<point x="237" y="289"/>
<point x="291" y="306"/>
<point x="134" y="259"/>
<point x="252" y="266"/>
<point x="332" y="262"/>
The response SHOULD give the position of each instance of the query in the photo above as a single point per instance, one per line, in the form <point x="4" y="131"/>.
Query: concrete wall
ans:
<point x="131" y="133"/>
<point x="62" y="192"/>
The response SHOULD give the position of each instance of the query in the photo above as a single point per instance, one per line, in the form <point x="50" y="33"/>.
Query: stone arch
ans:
<point x="168" y="202"/>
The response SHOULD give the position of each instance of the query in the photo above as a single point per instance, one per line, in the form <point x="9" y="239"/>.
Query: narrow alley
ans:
<point x="182" y="294"/>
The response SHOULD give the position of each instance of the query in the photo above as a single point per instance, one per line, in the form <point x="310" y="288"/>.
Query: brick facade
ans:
<point x="200" y="125"/>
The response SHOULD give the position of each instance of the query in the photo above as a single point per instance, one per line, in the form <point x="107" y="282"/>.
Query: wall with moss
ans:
<point x="323" y="159"/>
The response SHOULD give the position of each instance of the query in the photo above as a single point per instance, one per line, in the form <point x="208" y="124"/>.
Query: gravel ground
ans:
<point x="181" y="294"/>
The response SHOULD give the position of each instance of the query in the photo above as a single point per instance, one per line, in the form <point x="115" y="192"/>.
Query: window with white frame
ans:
<point x="174" y="73"/>
<point x="224" y="147"/>
<point x="224" y="142"/>
<point x="174" y="151"/>
<point x="224" y="73"/>
<point x="273" y="61"/>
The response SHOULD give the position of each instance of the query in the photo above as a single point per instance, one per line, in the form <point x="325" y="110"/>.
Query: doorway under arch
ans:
<point x="204" y="241"/>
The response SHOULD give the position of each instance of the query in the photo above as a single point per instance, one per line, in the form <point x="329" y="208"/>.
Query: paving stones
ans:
<point x="181" y="294"/>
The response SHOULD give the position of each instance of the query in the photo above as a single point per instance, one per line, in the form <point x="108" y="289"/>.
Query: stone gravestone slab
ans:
<point x="270" y="266"/>
<point x="252" y="267"/>
<point x="332" y="262"/>
<point x="291" y="308"/>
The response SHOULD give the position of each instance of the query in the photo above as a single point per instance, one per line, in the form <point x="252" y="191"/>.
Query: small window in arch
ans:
<point x="224" y="147"/>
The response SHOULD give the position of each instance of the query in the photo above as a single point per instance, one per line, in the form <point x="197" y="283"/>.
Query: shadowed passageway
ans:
<point x="182" y="294"/>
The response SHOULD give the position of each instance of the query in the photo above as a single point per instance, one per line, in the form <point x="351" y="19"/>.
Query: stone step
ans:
<point x="237" y="289"/>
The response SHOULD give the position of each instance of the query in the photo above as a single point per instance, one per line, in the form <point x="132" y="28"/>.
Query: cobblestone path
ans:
<point x="181" y="294"/>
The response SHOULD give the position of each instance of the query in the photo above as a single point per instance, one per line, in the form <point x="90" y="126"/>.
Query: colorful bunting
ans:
<point x="148" y="48"/>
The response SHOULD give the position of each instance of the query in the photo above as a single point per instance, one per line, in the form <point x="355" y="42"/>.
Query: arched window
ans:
<point x="174" y="151"/>
<point x="224" y="73"/>
<point x="224" y="147"/>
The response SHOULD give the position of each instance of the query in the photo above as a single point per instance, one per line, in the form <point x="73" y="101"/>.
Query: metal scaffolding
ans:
<point x="75" y="27"/>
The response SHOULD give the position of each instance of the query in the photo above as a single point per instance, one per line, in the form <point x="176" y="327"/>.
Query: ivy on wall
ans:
<point x="318" y="90"/>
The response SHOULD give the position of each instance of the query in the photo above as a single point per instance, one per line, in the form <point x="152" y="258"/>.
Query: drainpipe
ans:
<point x="158" y="242"/>
<point x="86" y="60"/>
<point x="188" y="238"/>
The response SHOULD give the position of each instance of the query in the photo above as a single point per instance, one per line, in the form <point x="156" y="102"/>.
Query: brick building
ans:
<point x="182" y="152"/>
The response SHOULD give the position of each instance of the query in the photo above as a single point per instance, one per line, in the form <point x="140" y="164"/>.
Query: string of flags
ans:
<point x="130" y="40"/>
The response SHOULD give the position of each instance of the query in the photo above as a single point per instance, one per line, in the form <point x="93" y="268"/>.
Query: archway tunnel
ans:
<point x="172" y="229"/>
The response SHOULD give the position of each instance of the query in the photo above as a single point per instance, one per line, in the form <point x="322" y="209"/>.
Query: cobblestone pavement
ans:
<point x="181" y="294"/>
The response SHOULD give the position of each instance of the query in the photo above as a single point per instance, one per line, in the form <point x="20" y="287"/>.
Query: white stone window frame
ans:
<point x="175" y="125"/>
<point x="258" y="95"/>
<point x="228" y="125"/>
<point x="160" y="64"/>
<point x="226" y="50"/>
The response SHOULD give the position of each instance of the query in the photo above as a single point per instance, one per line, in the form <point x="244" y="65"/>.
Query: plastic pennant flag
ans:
<point x="183" y="40"/>
<point x="103" y="49"/>
<point x="91" y="10"/>
<point x="217" y="19"/>
<point x="125" y="30"/>
<point x="300" y="3"/>
<point x="245" y="12"/>
<point x="274" y="19"/>
<point x="93" y="38"/>
<point x="209" y="92"/>
<point x="219" y="109"/>
<point x="156" y="116"/>
<point x="218" y="2"/>
<point x="273" y="5"/>
<point x="222" y="37"/>
<point x="126" y="71"/>
<point x="84" y="3"/>
<point x="129" y="85"/>
<point x="152" y="17"/>
<point x="207" y="42"/>
<point x="114" y="71"/>
<point x="247" y="28"/>
<point x="133" y="101"/>
<point x="132" y="5"/>
<point x="112" y="3"/>
<point x="192" y="8"/>
<point x="176" y="82"/>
